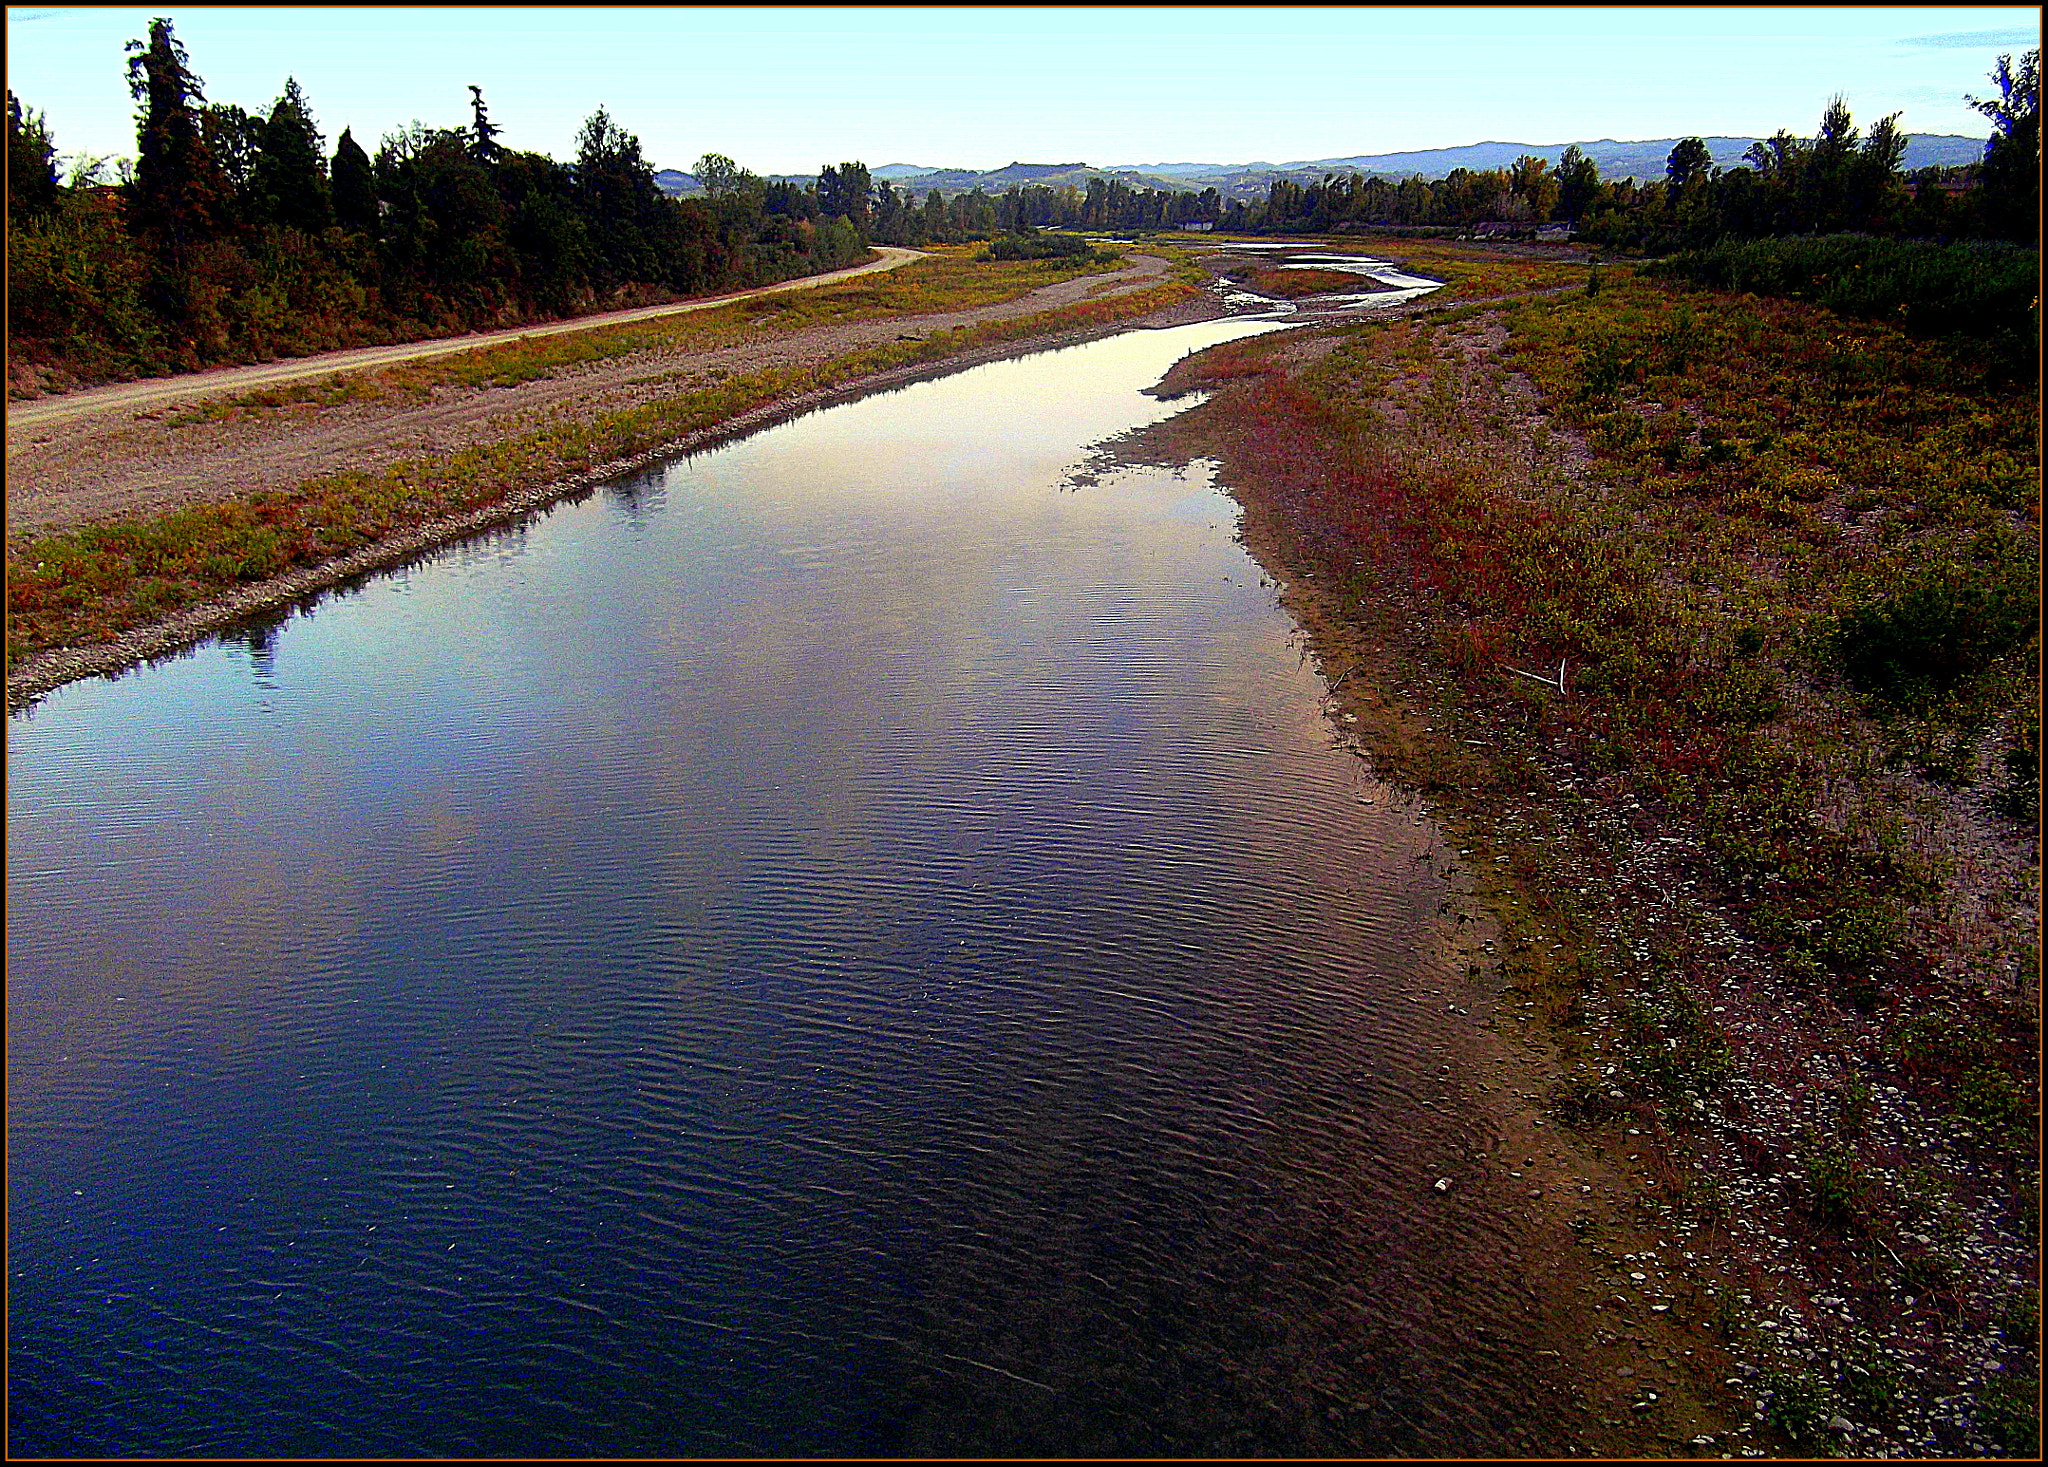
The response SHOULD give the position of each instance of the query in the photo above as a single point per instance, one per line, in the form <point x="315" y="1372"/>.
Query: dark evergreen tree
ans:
<point x="483" y="133"/>
<point x="180" y="193"/>
<point x="1830" y="171"/>
<point x="550" y="238"/>
<point x="31" y="163"/>
<point x="617" y="197"/>
<point x="353" y="191"/>
<point x="289" y="177"/>
<point x="444" y="227"/>
<point x="845" y="193"/>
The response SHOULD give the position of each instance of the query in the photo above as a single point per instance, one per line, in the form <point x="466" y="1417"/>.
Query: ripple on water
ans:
<point x="849" y="948"/>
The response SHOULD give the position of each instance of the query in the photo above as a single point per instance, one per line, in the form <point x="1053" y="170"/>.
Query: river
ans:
<point x="861" y="941"/>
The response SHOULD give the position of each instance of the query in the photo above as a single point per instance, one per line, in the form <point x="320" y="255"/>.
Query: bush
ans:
<point x="2021" y="797"/>
<point x="1834" y="1186"/>
<point x="1907" y="652"/>
<point x="1038" y="247"/>
<point x="1799" y="1406"/>
<point x="1990" y="1097"/>
<point x="1987" y="290"/>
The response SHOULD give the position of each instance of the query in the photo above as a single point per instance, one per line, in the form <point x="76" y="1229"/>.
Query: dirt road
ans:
<point x="121" y="457"/>
<point x="160" y="391"/>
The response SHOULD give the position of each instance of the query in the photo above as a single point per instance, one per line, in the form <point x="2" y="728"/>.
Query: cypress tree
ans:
<point x="181" y="197"/>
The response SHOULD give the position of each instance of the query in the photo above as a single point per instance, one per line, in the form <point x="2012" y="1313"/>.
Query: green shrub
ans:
<point x="1982" y="289"/>
<point x="1834" y="1185"/>
<point x="2021" y="796"/>
<point x="1038" y="247"/>
<point x="1869" y="1383"/>
<point x="1907" y="652"/>
<point x="2008" y="1409"/>
<point x="1799" y="1406"/>
<point x="1990" y="1097"/>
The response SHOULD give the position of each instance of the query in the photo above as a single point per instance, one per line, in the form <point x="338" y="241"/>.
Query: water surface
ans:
<point x="847" y="943"/>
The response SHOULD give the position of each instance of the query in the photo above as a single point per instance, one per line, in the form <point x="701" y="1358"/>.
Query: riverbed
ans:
<point x="861" y="941"/>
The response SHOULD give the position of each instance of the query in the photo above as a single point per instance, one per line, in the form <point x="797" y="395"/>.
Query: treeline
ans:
<point x="1106" y="203"/>
<point x="237" y="236"/>
<point x="1839" y="180"/>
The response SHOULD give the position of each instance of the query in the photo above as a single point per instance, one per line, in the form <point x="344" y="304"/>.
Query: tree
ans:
<point x="617" y="196"/>
<point x="844" y="192"/>
<point x="1690" y="162"/>
<point x="2011" y="186"/>
<point x="445" y="221"/>
<point x="1578" y="183"/>
<point x="1830" y="169"/>
<point x="1877" y="194"/>
<point x="234" y="138"/>
<point x="351" y="186"/>
<point x="290" y="179"/>
<point x="724" y="179"/>
<point x="180" y="192"/>
<point x="31" y="163"/>
<point x="483" y="133"/>
<point x="553" y="243"/>
<point x="1531" y="179"/>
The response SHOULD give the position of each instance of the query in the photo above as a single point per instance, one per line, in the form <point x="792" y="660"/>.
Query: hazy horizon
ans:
<point x="784" y="90"/>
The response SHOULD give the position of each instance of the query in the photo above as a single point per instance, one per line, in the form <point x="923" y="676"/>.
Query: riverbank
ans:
<point x="1577" y="570"/>
<point x="133" y="533"/>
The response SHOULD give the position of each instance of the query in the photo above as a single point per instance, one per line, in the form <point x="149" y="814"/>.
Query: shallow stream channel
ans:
<point x="862" y="941"/>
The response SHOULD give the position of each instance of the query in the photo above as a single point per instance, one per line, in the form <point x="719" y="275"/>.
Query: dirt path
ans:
<point x="121" y="457"/>
<point x="162" y="391"/>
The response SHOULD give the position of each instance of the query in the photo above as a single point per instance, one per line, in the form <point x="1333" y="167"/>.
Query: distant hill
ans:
<point x="1641" y="159"/>
<point x="1644" y="158"/>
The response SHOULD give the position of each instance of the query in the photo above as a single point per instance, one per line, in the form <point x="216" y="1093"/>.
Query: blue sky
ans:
<point x="784" y="90"/>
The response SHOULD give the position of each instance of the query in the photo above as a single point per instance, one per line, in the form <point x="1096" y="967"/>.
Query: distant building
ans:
<point x="1199" y="226"/>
